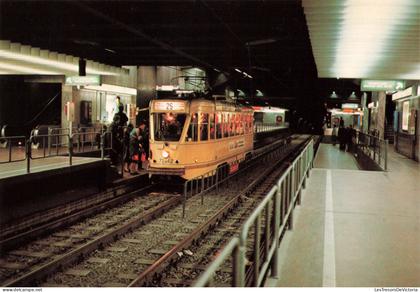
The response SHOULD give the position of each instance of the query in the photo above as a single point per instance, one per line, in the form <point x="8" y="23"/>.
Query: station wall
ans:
<point x="408" y="141"/>
<point x="24" y="105"/>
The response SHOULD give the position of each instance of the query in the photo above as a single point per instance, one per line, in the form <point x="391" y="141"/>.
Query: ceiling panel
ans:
<point x="365" y="38"/>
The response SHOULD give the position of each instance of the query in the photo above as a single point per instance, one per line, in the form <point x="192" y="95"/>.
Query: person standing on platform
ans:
<point x="117" y="130"/>
<point x="136" y="147"/>
<point x="350" y="134"/>
<point x="127" y="157"/>
<point x="117" y="105"/>
<point x="342" y="137"/>
<point x="334" y="135"/>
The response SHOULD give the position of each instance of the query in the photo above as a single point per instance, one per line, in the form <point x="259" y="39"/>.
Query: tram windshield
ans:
<point x="168" y="126"/>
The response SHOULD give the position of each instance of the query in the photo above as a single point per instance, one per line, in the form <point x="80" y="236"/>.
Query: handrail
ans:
<point x="214" y="178"/>
<point x="7" y="142"/>
<point x="372" y="147"/>
<point x="230" y="249"/>
<point x="279" y="202"/>
<point x="33" y="151"/>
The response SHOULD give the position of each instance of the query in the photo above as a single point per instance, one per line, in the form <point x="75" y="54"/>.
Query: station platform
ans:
<point x="354" y="228"/>
<point x="43" y="164"/>
<point x="53" y="182"/>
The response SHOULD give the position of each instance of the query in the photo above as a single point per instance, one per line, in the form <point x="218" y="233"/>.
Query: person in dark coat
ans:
<point x="350" y="134"/>
<point x="127" y="157"/>
<point x="342" y="137"/>
<point x="136" y="147"/>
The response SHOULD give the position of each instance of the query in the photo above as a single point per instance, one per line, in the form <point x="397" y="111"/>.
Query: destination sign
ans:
<point x="169" y="106"/>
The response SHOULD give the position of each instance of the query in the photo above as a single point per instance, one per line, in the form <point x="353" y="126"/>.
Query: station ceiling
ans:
<point x="375" y="39"/>
<point x="267" y="39"/>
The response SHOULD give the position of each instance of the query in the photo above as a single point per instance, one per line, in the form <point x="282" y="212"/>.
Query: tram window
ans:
<point x="212" y="127"/>
<point x="241" y="124"/>
<point x="219" y="128"/>
<point x="225" y="125"/>
<point x="193" y="129"/>
<point x="251" y="123"/>
<point x="168" y="126"/>
<point x="231" y="125"/>
<point x="204" y="127"/>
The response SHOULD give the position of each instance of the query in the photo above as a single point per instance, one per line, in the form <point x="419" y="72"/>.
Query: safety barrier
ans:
<point x="12" y="149"/>
<point x="41" y="146"/>
<point x="205" y="183"/>
<point x="372" y="147"/>
<point x="214" y="178"/>
<point x="106" y="143"/>
<point x="277" y="210"/>
<point x="261" y="128"/>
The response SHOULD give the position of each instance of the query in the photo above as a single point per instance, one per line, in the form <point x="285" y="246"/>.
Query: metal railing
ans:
<point x="43" y="146"/>
<point x="204" y="183"/>
<point x="373" y="147"/>
<point x="277" y="211"/>
<point x="40" y="147"/>
<point x="260" y="128"/>
<point x="214" y="178"/>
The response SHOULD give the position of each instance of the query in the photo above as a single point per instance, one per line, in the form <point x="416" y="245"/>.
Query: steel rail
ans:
<point x="12" y="241"/>
<point x="73" y="256"/>
<point x="147" y="275"/>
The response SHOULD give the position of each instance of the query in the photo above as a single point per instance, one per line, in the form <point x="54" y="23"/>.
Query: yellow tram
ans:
<point x="189" y="138"/>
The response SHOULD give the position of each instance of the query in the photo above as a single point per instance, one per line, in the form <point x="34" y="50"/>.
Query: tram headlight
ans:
<point x="165" y="154"/>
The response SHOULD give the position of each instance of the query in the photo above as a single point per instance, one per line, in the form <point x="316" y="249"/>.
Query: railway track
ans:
<point x="223" y="226"/>
<point x="28" y="263"/>
<point x="23" y="229"/>
<point x="126" y="225"/>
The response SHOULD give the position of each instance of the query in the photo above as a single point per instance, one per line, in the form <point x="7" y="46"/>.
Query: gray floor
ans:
<point x="354" y="228"/>
<point x="42" y="164"/>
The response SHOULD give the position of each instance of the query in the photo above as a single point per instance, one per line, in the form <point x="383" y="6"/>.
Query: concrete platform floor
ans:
<point x="41" y="164"/>
<point x="354" y="228"/>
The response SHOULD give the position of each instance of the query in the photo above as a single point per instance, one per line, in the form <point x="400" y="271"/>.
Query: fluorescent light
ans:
<point x="25" y="69"/>
<point x="247" y="75"/>
<point x="166" y="87"/>
<point x="8" y="72"/>
<point x="261" y="42"/>
<point x="237" y="70"/>
<point x="364" y="38"/>
<point x="111" y="51"/>
<point x="361" y="24"/>
<point x="55" y="64"/>
<point x="113" y="88"/>
<point x="403" y="93"/>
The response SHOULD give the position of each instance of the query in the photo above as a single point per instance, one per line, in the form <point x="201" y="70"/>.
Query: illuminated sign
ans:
<point x="83" y="80"/>
<point x="166" y="87"/>
<point x="405" y="115"/>
<point x="382" y="85"/>
<point x="169" y="106"/>
<point x="401" y="94"/>
<point x="350" y="105"/>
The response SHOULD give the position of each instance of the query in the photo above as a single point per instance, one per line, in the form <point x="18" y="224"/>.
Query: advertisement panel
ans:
<point x="405" y="115"/>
